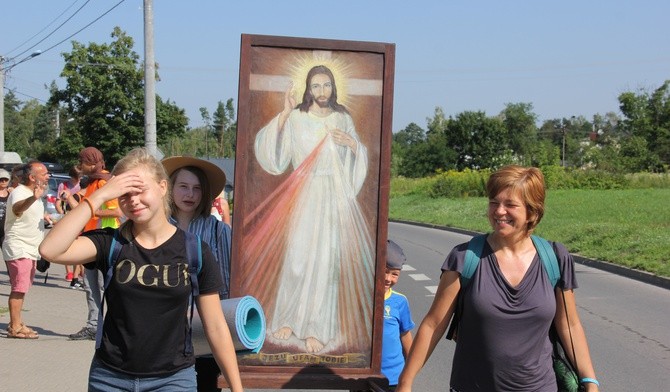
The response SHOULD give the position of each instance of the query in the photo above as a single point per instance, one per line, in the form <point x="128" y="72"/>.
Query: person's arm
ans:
<point x="432" y="328"/>
<point x="19" y="207"/>
<point x="289" y="105"/>
<point x="60" y="199"/>
<point x="63" y="245"/>
<point x="219" y="338"/>
<point x="225" y="217"/>
<point x="406" y="341"/>
<point x="575" y="329"/>
<point x="106" y="213"/>
<point x="59" y="206"/>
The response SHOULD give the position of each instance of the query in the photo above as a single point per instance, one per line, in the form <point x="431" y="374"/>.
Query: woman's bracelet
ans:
<point x="589" y="379"/>
<point x="90" y="205"/>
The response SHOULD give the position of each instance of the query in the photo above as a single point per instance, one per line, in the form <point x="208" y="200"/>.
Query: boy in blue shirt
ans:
<point x="398" y="322"/>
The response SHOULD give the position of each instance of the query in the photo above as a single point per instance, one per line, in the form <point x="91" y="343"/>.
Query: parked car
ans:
<point x="51" y="197"/>
<point x="53" y="167"/>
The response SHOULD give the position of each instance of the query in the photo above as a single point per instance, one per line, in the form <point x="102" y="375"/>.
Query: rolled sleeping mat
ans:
<point x="246" y="322"/>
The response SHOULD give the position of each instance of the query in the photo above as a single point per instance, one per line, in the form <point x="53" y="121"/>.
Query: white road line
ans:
<point x="408" y="267"/>
<point x="419" y="277"/>
<point x="432" y="289"/>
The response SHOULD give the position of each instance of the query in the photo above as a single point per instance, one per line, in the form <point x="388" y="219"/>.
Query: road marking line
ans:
<point x="432" y="289"/>
<point x="419" y="277"/>
<point x="408" y="267"/>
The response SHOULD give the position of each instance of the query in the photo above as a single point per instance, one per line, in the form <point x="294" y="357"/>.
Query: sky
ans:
<point x="568" y="58"/>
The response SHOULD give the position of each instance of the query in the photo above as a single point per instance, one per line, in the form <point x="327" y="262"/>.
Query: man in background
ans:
<point x="24" y="231"/>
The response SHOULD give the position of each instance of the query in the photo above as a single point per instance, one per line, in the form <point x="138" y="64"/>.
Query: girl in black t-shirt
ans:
<point x="144" y="335"/>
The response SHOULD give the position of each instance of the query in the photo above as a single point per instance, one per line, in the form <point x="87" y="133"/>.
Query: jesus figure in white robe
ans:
<point x="315" y="230"/>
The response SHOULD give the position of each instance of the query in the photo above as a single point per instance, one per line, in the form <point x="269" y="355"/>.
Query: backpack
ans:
<point x="474" y="253"/>
<point x="194" y="256"/>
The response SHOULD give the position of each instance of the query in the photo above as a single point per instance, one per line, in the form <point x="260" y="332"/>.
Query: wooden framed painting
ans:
<point x="310" y="215"/>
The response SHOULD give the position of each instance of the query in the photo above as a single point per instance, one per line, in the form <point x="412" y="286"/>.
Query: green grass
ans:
<point x="629" y="227"/>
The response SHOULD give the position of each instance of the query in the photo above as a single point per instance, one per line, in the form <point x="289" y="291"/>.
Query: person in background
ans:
<point x="509" y="306"/>
<point x="4" y="195"/>
<point x="15" y="176"/>
<point x="398" y="324"/>
<point x="24" y="230"/>
<point x="70" y="190"/>
<point x="195" y="182"/>
<point x="221" y="209"/>
<point x="145" y="335"/>
<point x="108" y="214"/>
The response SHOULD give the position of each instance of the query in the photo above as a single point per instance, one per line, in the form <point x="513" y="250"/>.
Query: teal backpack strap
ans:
<point x="548" y="257"/>
<point x="472" y="257"/>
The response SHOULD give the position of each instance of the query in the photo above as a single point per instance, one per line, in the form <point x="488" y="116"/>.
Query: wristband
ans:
<point x="90" y="206"/>
<point x="589" y="379"/>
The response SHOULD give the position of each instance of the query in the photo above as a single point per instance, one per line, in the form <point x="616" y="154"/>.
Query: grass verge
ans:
<point x="629" y="227"/>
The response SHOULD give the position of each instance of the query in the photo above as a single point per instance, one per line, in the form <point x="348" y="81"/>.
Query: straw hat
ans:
<point x="214" y="174"/>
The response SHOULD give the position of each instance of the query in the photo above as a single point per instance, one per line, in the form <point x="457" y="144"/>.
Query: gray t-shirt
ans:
<point x="503" y="335"/>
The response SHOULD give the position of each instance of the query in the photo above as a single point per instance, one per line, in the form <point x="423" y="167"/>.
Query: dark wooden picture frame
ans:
<point x="311" y="207"/>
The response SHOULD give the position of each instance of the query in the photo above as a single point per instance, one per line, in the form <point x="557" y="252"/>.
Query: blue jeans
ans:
<point x="103" y="379"/>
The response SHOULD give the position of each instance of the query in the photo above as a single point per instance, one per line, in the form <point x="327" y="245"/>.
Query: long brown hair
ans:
<point x="205" y="207"/>
<point x="308" y="98"/>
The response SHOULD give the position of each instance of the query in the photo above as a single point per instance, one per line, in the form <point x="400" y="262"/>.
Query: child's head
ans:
<point x="395" y="259"/>
<point x="210" y="178"/>
<point x="191" y="177"/>
<point x="140" y="157"/>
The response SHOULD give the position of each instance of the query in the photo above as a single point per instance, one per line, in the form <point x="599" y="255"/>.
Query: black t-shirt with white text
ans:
<point x="146" y="303"/>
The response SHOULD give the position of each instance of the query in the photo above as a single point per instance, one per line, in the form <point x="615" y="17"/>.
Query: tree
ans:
<point x="519" y="121"/>
<point x="18" y="129"/>
<point x="402" y="141"/>
<point x="480" y="141"/>
<point x="105" y="97"/>
<point x="412" y="134"/>
<point x="648" y="115"/>
<point x="225" y="128"/>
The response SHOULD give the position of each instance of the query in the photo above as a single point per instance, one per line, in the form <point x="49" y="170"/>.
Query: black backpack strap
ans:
<point x="194" y="257"/>
<point x="114" y="252"/>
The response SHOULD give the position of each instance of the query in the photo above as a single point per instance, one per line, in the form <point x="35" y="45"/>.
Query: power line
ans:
<point x="24" y="94"/>
<point x="67" y="38"/>
<point x="45" y="27"/>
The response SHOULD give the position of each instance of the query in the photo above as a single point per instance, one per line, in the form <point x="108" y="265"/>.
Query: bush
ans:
<point x="403" y="186"/>
<point x="648" y="180"/>
<point x="597" y="179"/>
<point x="453" y="184"/>
<point x="556" y="177"/>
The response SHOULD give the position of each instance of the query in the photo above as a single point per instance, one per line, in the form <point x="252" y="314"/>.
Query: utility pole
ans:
<point x="563" y="159"/>
<point x="149" y="81"/>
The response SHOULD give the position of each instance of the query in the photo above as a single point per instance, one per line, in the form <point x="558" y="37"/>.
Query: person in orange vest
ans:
<point x="92" y="164"/>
